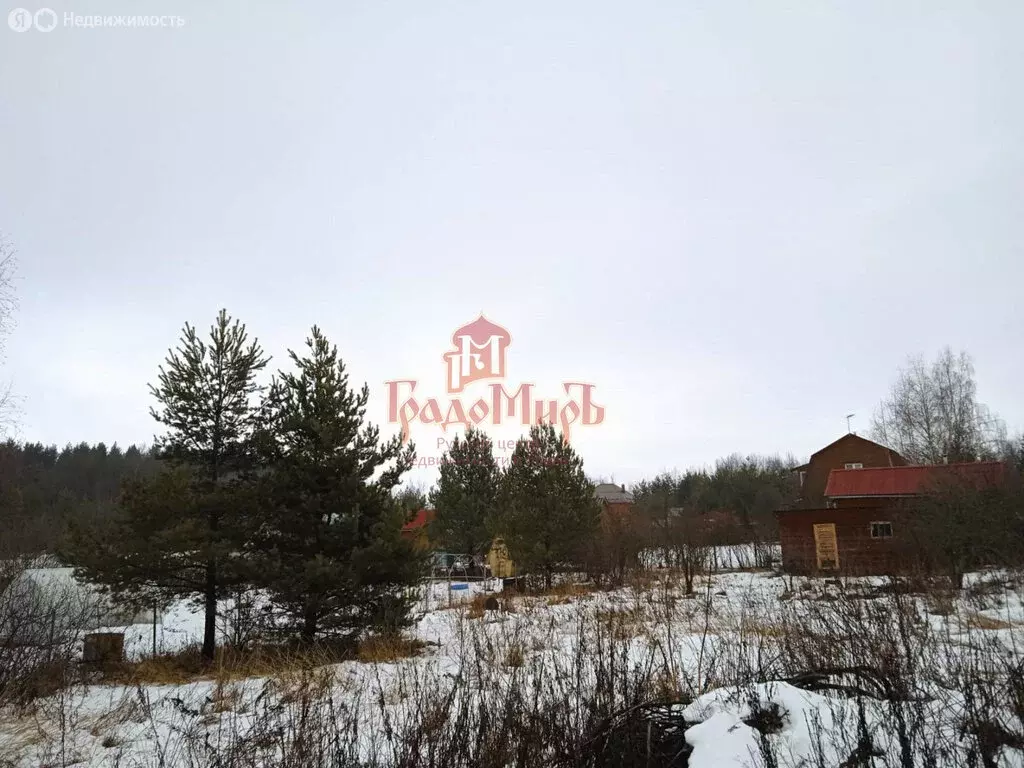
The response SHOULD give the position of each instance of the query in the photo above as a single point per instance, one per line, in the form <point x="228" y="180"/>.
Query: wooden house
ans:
<point x="860" y="528"/>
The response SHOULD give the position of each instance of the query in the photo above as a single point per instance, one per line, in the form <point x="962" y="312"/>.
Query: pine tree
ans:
<point x="465" y="498"/>
<point x="173" y="535"/>
<point x="328" y="548"/>
<point x="410" y="499"/>
<point x="548" y="510"/>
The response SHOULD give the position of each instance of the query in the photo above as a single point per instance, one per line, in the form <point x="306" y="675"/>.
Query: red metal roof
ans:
<point x="422" y="519"/>
<point x="911" y="480"/>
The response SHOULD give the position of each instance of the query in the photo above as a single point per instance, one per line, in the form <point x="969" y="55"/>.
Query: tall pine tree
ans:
<point x="176" y="529"/>
<point x="465" y="498"/>
<point x="549" y="513"/>
<point x="328" y="547"/>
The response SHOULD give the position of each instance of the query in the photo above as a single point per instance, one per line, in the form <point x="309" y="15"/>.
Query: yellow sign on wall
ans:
<point x="826" y="546"/>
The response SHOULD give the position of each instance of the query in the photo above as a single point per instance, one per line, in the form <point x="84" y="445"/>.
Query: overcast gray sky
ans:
<point x="735" y="219"/>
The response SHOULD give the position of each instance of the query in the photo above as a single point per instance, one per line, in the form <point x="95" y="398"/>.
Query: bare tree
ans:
<point x="932" y="413"/>
<point x="686" y="538"/>
<point x="677" y="533"/>
<point x="958" y="527"/>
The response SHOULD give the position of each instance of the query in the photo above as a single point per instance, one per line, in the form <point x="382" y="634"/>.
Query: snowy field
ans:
<point x="181" y="625"/>
<point x="724" y="654"/>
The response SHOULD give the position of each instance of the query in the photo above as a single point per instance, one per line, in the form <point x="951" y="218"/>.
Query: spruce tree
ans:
<point x="175" y="530"/>
<point x="466" y="494"/>
<point x="328" y="547"/>
<point x="549" y="513"/>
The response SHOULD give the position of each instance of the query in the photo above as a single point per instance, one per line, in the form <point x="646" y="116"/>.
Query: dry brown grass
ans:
<point x="515" y="655"/>
<point x="387" y="647"/>
<point x="643" y="579"/>
<point x="559" y="600"/>
<point x="20" y="734"/>
<point x="665" y="686"/>
<point x="162" y="669"/>
<point x="303" y="685"/>
<point x="475" y="608"/>
<point x="978" y="621"/>
<point x="622" y="624"/>
<point x="38" y="681"/>
<point x="129" y="709"/>
<point x="939" y="603"/>
<point x="567" y="590"/>
<point x="229" y="664"/>
<point x="226" y="697"/>
<point x="558" y="594"/>
<point x="762" y="626"/>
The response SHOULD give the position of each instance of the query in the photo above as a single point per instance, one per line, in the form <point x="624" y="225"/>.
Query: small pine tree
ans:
<point x="548" y="510"/>
<point x="465" y="498"/>
<point x="328" y="547"/>
<point x="173" y="534"/>
<point x="410" y="499"/>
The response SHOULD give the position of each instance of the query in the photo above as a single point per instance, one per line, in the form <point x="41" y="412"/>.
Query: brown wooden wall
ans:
<point x="849" y="449"/>
<point x="859" y="554"/>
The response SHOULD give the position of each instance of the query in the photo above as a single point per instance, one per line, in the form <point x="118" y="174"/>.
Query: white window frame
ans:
<point x="854" y="465"/>
<point x="880" y="522"/>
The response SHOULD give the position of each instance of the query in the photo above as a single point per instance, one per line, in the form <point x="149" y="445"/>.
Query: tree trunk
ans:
<point x="959" y="572"/>
<point x="308" y="626"/>
<point x="210" y="603"/>
<point x="210" y="590"/>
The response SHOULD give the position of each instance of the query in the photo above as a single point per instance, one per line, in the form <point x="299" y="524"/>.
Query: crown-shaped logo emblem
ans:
<point x="479" y="353"/>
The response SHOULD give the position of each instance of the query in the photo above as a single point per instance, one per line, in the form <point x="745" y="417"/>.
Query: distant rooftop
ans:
<point x="420" y="520"/>
<point x="611" y="492"/>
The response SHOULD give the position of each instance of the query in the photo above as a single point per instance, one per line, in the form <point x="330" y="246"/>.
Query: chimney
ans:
<point x="623" y="488"/>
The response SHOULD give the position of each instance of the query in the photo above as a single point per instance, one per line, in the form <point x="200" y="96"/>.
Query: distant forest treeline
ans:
<point x="741" y="492"/>
<point x="42" y="487"/>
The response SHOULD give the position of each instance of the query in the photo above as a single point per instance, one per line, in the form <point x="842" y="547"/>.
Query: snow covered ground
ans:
<point x="723" y="652"/>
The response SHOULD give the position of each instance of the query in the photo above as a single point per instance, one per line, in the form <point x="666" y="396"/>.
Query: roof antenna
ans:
<point x="848" y="417"/>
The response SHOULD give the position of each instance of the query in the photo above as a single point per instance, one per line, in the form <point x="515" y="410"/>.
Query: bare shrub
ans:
<point x="41" y="625"/>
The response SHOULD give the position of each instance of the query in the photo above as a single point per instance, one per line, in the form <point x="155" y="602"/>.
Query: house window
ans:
<point x="881" y="530"/>
<point x="855" y="465"/>
<point x="803" y="476"/>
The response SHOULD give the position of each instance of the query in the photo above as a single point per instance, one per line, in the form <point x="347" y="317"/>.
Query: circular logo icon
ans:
<point x="20" y="20"/>
<point x="45" y="19"/>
